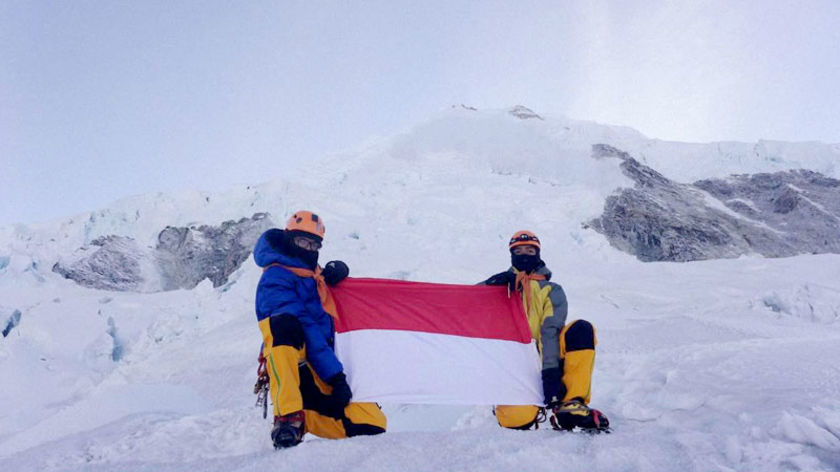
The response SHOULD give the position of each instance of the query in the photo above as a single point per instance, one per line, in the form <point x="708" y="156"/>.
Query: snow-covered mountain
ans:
<point x="722" y="364"/>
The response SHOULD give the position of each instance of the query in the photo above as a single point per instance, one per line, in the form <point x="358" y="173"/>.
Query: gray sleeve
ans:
<point x="552" y="327"/>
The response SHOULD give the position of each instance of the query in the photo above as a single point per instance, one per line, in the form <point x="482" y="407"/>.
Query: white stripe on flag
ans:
<point x="393" y="366"/>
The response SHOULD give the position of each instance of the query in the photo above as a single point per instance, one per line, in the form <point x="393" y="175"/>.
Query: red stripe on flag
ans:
<point x="476" y="311"/>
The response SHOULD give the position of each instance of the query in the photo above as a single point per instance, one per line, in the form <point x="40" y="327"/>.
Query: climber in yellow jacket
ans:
<point x="567" y="351"/>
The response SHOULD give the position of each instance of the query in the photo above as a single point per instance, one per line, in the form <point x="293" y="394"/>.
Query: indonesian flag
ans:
<point x="412" y="342"/>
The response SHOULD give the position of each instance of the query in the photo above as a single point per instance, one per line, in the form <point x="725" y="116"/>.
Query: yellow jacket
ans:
<point x="546" y="316"/>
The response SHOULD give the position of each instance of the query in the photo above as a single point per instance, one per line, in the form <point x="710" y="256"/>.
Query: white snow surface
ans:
<point x="728" y="365"/>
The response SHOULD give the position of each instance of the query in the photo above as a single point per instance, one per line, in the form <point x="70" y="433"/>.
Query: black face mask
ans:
<point x="309" y="258"/>
<point x="525" y="262"/>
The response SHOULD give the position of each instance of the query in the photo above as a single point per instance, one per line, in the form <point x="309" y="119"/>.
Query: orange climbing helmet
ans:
<point x="307" y="222"/>
<point x="523" y="238"/>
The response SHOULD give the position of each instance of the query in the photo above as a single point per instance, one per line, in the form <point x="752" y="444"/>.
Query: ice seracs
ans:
<point x="183" y="257"/>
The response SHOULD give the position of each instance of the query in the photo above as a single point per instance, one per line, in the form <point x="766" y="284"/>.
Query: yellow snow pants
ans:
<point x="295" y="386"/>
<point x="577" y="356"/>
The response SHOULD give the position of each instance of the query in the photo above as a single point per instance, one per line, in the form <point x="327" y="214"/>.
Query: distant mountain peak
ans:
<point x="524" y="113"/>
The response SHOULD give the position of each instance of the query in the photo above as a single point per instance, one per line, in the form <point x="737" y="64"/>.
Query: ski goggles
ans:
<point x="306" y="243"/>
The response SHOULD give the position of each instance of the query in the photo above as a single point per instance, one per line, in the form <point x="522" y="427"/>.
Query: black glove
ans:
<point x="334" y="272"/>
<point x="503" y="278"/>
<point x="341" y="393"/>
<point x="553" y="387"/>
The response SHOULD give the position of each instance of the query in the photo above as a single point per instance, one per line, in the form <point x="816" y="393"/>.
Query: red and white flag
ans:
<point x="413" y="342"/>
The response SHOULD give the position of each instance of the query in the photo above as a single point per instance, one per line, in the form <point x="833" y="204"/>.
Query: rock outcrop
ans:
<point x="182" y="257"/>
<point x="187" y="256"/>
<point x="108" y="263"/>
<point x="775" y="215"/>
<point x="524" y="113"/>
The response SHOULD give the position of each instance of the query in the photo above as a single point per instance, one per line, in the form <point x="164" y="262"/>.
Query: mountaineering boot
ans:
<point x="575" y="413"/>
<point x="288" y="430"/>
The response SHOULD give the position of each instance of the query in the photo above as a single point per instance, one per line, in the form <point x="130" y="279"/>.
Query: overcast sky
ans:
<point x="104" y="99"/>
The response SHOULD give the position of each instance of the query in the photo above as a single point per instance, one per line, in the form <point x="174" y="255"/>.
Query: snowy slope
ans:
<point x="716" y="365"/>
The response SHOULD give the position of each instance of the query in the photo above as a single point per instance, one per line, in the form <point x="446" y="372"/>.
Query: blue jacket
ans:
<point x="281" y="292"/>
